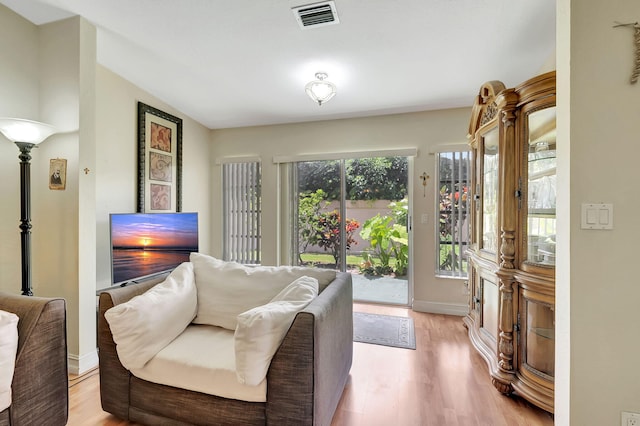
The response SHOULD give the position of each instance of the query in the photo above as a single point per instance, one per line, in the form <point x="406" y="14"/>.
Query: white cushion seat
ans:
<point x="201" y="359"/>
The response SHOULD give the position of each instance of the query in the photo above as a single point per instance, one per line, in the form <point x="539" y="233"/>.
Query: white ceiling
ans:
<point x="245" y="62"/>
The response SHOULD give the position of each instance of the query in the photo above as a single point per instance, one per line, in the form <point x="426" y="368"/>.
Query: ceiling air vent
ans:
<point x="316" y="15"/>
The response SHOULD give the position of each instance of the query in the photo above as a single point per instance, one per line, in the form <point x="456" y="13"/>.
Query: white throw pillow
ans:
<point x="260" y="330"/>
<point x="8" y="349"/>
<point x="226" y="289"/>
<point x="148" y="322"/>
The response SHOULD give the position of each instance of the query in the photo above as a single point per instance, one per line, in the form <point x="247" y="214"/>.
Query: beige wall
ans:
<point x="423" y="130"/>
<point x="597" y="320"/>
<point x="62" y="264"/>
<point x="50" y="74"/>
<point x="117" y="164"/>
<point x="19" y="82"/>
<point x="41" y="76"/>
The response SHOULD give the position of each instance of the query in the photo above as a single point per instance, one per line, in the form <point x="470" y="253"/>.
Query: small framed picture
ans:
<point x="57" y="173"/>
<point x="159" y="160"/>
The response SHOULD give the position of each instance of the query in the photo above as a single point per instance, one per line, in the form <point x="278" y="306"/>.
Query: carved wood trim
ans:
<point x="504" y="388"/>
<point x="507" y="101"/>
<point x="507" y="248"/>
<point x="485" y="107"/>
<point x="537" y="87"/>
<point x="489" y="113"/>
<point x="505" y="338"/>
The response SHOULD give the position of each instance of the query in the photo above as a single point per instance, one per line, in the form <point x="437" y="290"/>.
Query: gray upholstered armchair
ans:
<point x="40" y="392"/>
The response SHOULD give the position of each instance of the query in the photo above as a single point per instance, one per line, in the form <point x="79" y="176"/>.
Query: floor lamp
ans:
<point x="26" y="134"/>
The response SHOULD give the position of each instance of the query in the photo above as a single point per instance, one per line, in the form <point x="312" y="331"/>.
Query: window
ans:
<point x="454" y="215"/>
<point x="241" y="208"/>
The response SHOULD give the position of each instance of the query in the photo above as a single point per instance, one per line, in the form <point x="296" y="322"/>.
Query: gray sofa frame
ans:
<point x="40" y="385"/>
<point x="305" y="380"/>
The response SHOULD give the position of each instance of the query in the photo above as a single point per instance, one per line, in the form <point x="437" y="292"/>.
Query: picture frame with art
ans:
<point x="159" y="160"/>
<point x="57" y="174"/>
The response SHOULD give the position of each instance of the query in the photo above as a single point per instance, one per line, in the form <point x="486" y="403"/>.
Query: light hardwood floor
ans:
<point x="443" y="382"/>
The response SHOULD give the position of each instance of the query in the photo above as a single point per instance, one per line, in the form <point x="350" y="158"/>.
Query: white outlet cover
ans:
<point x="630" y="419"/>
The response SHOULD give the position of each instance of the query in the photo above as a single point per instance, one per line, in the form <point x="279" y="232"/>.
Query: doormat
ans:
<point x="385" y="330"/>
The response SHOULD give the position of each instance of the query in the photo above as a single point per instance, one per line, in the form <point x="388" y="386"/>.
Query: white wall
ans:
<point x="49" y="73"/>
<point x="422" y="130"/>
<point x="598" y="343"/>
<point x="117" y="164"/>
<point x="19" y="82"/>
<point x="40" y="76"/>
<point x="64" y="230"/>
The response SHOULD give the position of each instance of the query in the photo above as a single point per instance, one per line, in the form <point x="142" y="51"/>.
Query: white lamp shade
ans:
<point x="320" y="90"/>
<point x="20" y="130"/>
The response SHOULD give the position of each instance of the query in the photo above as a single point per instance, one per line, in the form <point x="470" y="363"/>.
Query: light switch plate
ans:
<point x="597" y="216"/>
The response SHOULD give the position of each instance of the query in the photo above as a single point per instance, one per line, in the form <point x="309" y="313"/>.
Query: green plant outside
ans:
<point x="309" y="206"/>
<point x="446" y="258"/>
<point x="387" y="235"/>
<point x="389" y="239"/>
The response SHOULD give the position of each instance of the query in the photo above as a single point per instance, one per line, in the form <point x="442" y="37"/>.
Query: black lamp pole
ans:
<point x="25" y="215"/>
<point x="31" y="133"/>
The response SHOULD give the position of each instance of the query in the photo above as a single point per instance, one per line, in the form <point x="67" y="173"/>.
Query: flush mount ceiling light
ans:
<point x="320" y="90"/>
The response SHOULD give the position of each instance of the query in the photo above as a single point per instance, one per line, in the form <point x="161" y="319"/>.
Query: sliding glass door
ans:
<point x="351" y="215"/>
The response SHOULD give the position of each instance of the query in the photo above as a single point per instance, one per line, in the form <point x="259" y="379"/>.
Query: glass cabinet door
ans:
<point x="539" y="337"/>
<point x="541" y="187"/>
<point x="490" y="179"/>
<point x="490" y="301"/>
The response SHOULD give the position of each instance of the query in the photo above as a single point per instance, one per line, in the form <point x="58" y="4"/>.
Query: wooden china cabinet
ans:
<point x="511" y="318"/>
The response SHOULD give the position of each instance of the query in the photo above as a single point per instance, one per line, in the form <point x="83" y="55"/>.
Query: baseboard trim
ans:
<point x="440" y="308"/>
<point x="81" y="364"/>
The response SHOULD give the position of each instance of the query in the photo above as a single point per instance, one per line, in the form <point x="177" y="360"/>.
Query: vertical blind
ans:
<point x="453" y="220"/>
<point x="242" y="211"/>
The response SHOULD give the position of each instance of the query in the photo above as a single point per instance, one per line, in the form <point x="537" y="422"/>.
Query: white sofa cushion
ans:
<point x="146" y="323"/>
<point x="8" y="349"/>
<point x="260" y="330"/>
<point x="226" y="289"/>
<point x="201" y="359"/>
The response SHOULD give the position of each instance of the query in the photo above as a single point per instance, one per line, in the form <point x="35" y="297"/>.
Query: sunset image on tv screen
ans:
<point x="147" y="244"/>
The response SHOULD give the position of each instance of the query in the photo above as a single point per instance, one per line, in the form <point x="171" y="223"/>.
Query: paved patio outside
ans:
<point x="389" y="290"/>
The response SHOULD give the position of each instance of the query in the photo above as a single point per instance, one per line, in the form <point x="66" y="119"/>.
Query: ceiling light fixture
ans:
<point x="320" y="90"/>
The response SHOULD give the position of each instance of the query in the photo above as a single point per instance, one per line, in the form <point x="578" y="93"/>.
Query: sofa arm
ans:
<point x="114" y="378"/>
<point x="310" y="369"/>
<point x="40" y="379"/>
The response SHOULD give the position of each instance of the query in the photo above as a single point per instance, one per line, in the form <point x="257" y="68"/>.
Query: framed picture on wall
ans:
<point x="159" y="161"/>
<point x="57" y="174"/>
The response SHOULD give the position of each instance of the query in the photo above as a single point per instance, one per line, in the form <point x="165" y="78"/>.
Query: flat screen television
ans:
<point x="147" y="244"/>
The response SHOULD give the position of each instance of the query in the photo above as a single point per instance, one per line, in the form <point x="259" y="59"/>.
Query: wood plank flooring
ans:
<point x="444" y="382"/>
